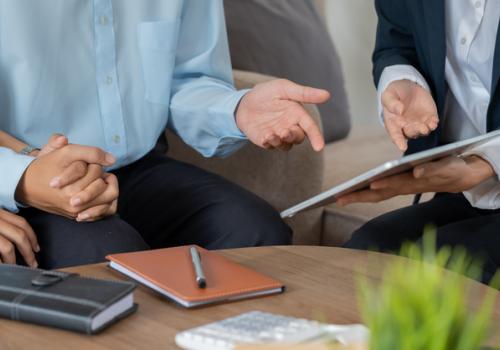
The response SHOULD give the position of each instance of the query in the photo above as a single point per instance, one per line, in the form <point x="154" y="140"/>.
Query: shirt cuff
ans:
<point x="232" y="104"/>
<point x="233" y="138"/>
<point x="483" y="195"/>
<point x="13" y="167"/>
<point x="395" y="73"/>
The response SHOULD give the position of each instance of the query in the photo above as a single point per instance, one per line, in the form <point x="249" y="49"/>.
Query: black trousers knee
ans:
<point x="457" y="223"/>
<point x="163" y="203"/>
<point x="64" y="242"/>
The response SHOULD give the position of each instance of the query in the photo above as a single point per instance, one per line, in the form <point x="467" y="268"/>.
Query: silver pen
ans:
<point x="198" y="270"/>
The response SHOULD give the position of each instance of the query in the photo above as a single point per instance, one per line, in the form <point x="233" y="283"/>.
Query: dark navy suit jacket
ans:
<point x="413" y="32"/>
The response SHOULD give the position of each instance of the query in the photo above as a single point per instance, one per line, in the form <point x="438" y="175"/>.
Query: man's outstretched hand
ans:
<point x="409" y="112"/>
<point x="271" y="115"/>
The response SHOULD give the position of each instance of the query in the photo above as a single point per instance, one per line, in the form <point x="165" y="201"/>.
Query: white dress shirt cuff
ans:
<point x="395" y="73"/>
<point x="13" y="166"/>
<point x="487" y="194"/>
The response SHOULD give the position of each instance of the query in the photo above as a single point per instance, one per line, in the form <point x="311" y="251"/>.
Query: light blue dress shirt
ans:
<point x="114" y="74"/>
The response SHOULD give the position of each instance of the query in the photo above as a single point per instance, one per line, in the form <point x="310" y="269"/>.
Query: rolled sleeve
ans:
<point x="486" y="195"/>
<point x="13" y="167"/>
<point x="395" y="73"/>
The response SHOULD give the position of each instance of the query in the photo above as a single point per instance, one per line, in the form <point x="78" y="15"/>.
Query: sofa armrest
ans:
<point x="281" y="178"/>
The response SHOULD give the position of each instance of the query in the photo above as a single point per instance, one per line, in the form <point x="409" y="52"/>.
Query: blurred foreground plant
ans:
<point x="421" y="306"/>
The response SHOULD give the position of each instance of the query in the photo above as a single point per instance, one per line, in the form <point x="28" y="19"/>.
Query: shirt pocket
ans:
<point x="157" y="46"/>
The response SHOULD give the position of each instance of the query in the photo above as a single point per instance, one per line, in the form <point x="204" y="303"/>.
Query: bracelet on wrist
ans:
<point x="26" y="151"/>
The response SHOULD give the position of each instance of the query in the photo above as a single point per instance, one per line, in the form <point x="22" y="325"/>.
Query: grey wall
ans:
<point x="352" y="24"/>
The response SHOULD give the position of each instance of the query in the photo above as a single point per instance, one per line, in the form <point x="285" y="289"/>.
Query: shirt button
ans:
<point x="463" y="41"/>
<point x="109" y="80"/>
<point x="117" y="139"/>
<point x="477" y="4"/>
<point x="473" y="78"/>
<point x="103" y="20"/>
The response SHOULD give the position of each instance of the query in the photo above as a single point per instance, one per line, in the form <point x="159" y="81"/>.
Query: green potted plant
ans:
<point x="422" y="303"/>
<point x="421" y="306"/>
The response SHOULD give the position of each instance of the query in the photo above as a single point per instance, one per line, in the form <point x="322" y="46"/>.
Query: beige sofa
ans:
<point x="284" y="179"/>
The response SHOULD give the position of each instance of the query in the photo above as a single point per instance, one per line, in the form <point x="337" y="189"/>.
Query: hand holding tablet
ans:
<point x="394" y="177"/>
<point x="451" y="174"/>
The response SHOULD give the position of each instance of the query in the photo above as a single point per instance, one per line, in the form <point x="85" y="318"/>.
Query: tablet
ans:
<point x="387" y="169"/>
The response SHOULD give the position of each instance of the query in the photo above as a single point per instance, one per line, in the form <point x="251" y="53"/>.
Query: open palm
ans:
<point x="272" y="116"/>
<point x="409" y="112"/>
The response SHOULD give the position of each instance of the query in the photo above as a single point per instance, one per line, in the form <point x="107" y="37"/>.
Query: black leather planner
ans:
<point x="63" y="300"/>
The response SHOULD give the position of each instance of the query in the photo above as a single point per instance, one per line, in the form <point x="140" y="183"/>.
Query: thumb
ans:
<point x="55" y="142"/>
<point x="391" y="102"/>
<point x="303" y="94"/>
<point x="395" y="131"/>
<point x="429" y="169"/>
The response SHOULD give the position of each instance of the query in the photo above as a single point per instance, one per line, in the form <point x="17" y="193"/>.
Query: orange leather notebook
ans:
<point x="170" y="272"/>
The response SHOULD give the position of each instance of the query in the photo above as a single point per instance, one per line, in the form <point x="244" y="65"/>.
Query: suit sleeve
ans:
<point x="394" y="41"/>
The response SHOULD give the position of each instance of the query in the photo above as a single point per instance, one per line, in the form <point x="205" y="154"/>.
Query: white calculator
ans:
<point x="264" y="328"/>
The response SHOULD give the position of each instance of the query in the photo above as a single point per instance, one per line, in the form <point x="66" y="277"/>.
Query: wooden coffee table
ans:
<point x="321" y="284"/>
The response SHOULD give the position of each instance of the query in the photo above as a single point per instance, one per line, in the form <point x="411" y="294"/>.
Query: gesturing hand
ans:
<point x="34" y="189"/>
<point x="452" y="175"/>
<point x="16" y="233"/>
<point x="409" y="112"/>
<point x="271" y="115"/>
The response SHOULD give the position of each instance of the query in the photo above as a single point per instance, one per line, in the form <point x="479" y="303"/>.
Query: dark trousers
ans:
<point x="162" y="203"/>
<point x="458" y="224"/>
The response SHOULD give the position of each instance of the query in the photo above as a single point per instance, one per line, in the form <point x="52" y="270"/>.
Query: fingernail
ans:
<point x="110" y="158"/>
<point x="55" y="182"/>
<point x="34" y="264"/>
<point x="418" y="173"/>
<point x="83" y="217"/>
<point x="37" y="249"/>
<point x="75" y="201"/>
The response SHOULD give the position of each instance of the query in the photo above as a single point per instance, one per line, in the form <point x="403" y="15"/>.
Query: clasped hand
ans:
<point x="69" y="180"/>
<point x="64" y="179"/>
